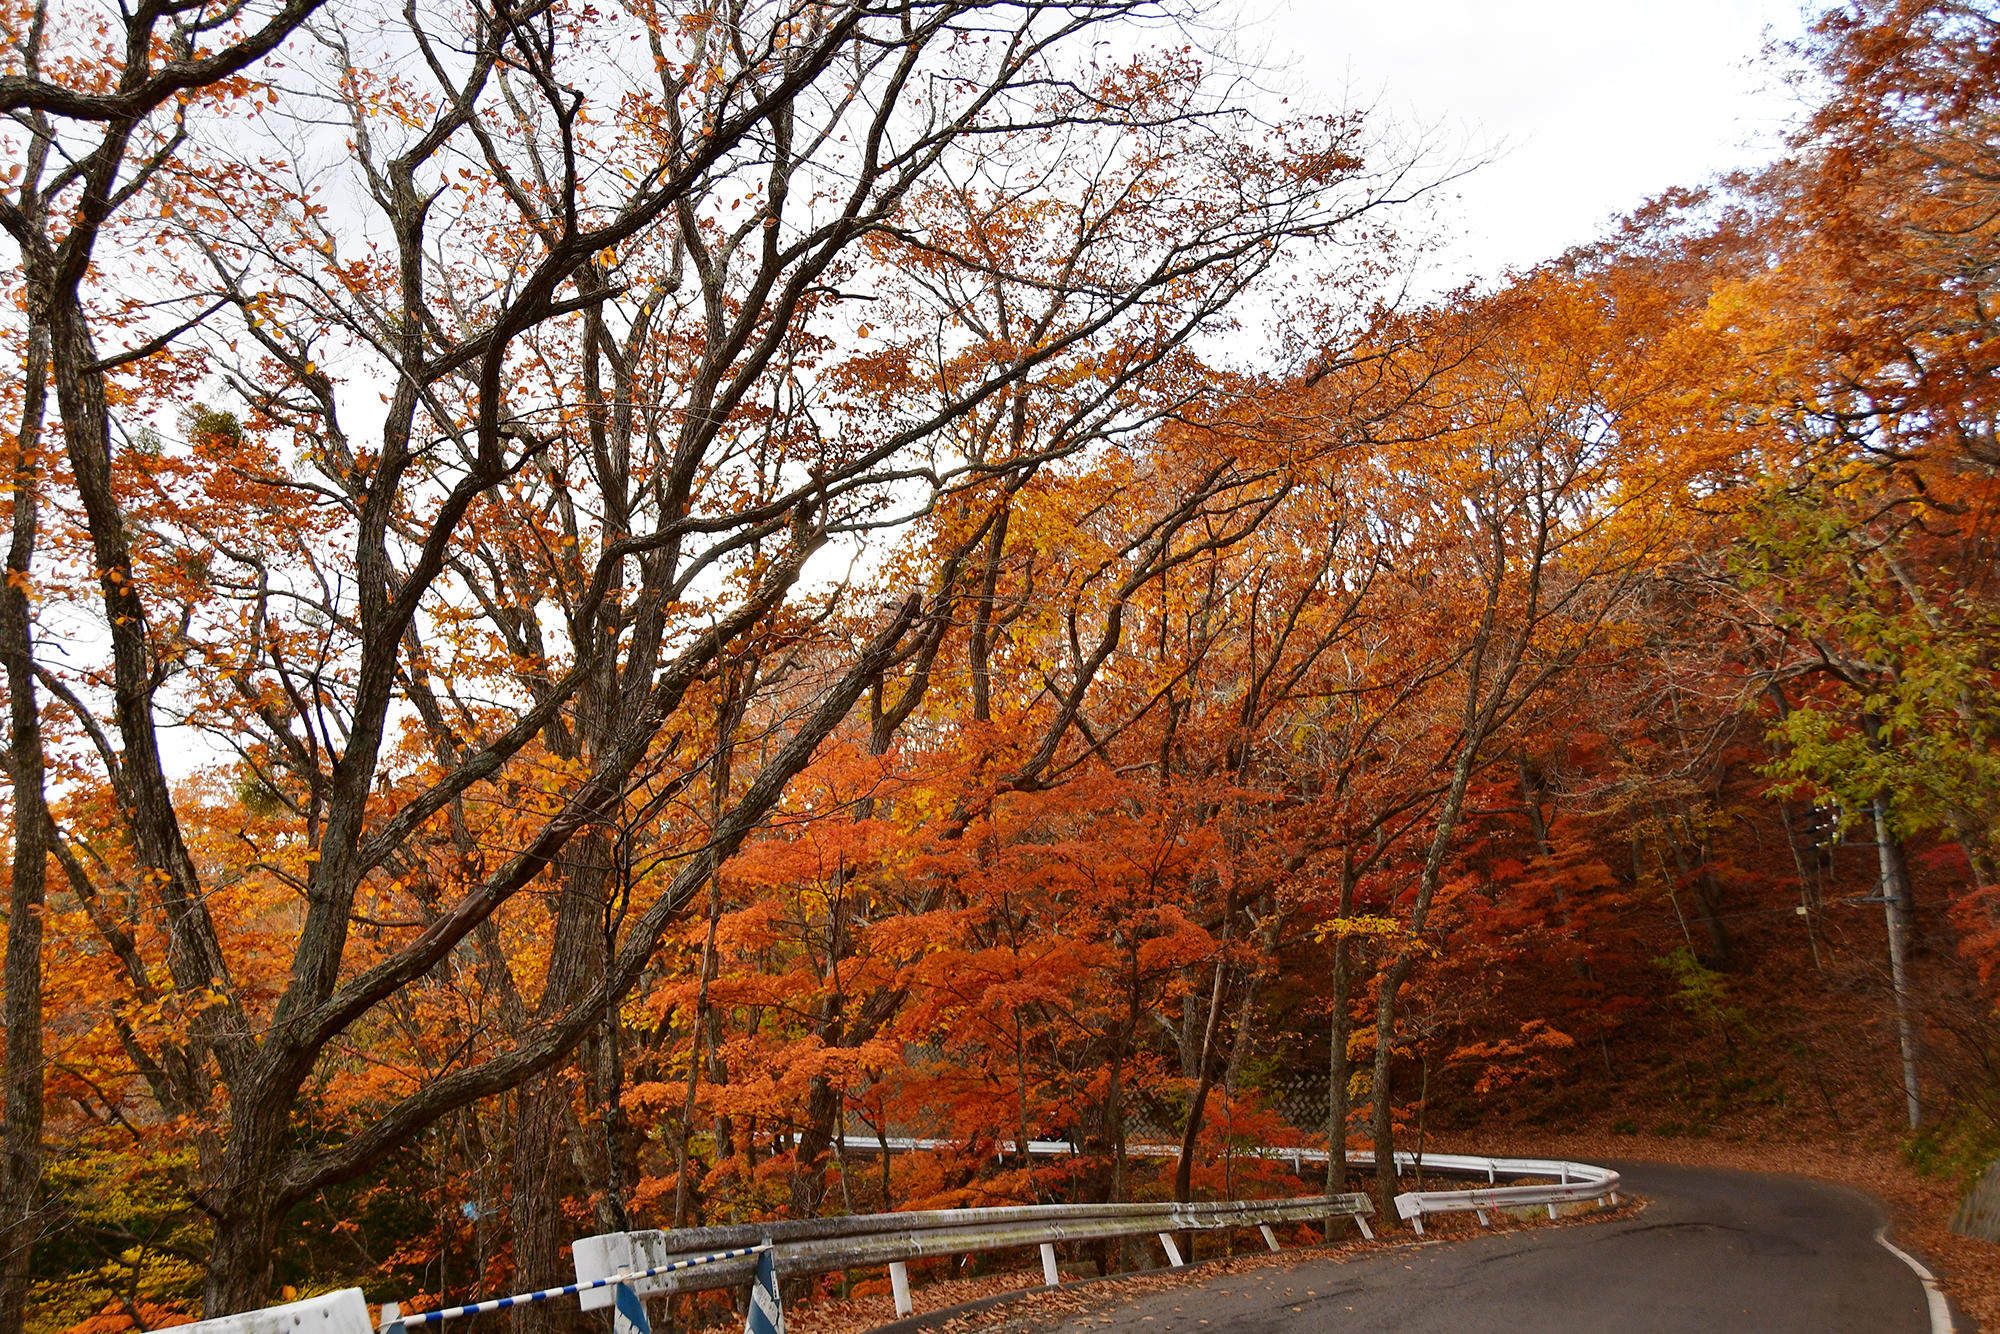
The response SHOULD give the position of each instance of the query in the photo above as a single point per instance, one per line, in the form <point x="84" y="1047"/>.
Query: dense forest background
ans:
<point x="607" y="604"/>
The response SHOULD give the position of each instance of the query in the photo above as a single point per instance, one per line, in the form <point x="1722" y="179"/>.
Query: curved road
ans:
<point x="1713" y="1250"/>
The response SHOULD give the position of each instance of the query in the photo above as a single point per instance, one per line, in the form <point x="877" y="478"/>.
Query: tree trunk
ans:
<point x="542" y="1179"/>
<point x="1391" y="984"/>
<point x="1691" y="859"/>
<point x="1205" y="1076"/>
<point x="1394" y="974"/>
<point x="1114" y="1123"/>
<point x="701" y="1035"/>
<point x="1268" y="929"/>
<point x="823" y="1106"/>
<point x="27" y="880"/>
<point x="1896" y="907"/>
<point x="1338" y="1070"/>
<point x="1337" y="1075"/>
<point x="1191" y="1131"/>
<point x="242" y="1257"/>
<point x="543" y="1171"/>
<point x="978" y="651"/>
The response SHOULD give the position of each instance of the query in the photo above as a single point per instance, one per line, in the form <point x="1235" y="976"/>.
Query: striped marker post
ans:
<point x="767" y="1306"/>
<point x="631" y="1312"/>
<point x="628" y="1312"/>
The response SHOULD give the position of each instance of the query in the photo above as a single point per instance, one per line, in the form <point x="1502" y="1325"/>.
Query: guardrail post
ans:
<point x="899" y="1284"/>
<point x="1552" y="1211"/>
<point x="1480" y="1214"/>
<point x="767" y="1298"/>
<point x="1367" y="1233"/>
<point x="628" y="1313"/>
<point x="1270" y="1239"/>
<point x="1049" y="1276"/>
<point x="1173" y="1251"/>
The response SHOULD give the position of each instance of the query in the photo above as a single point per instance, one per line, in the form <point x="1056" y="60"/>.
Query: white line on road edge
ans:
<point x="1940" y="1308"/>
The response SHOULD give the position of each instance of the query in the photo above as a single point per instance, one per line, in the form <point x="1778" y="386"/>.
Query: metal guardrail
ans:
<point x="823" y="1245"/>
<point x="691" y="1259"/>
<point x="342" y="1312"/>
<point x="1574" y="1182"/>
<point x="603" y="1290"/>
<point x="1045" y="1148"/>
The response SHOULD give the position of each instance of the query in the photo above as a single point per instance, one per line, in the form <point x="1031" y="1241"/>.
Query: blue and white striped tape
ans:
<point x="394" y="1322"/>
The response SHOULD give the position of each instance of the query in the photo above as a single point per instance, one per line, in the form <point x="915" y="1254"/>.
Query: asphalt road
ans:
<point x="1713" y="1250"/>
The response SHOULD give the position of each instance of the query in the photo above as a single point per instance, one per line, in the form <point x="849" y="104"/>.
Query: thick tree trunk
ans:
<point x="613" y="1158"/>
<point x="241" y="1259"/>
<point x="823" y="1106"/>
<point x="543" y="1172"/>
<point x="27" y="880"/>
<point x="543" y="1178"/>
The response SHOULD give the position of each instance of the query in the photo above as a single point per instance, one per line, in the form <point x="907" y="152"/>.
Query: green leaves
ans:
<point x="1889" y="682"/>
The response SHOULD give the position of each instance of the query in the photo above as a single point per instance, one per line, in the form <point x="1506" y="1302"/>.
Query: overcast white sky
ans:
<point x="1590" y="105"/>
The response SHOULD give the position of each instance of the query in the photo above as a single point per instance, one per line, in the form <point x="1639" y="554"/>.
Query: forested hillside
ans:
<point x="609" y="604"/>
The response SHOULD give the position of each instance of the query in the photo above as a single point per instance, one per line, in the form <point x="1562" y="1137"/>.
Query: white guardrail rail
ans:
<point x="1573" y="1181"/>
<point x="822" y="1245"/>
<point x="613" y="1268"/>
